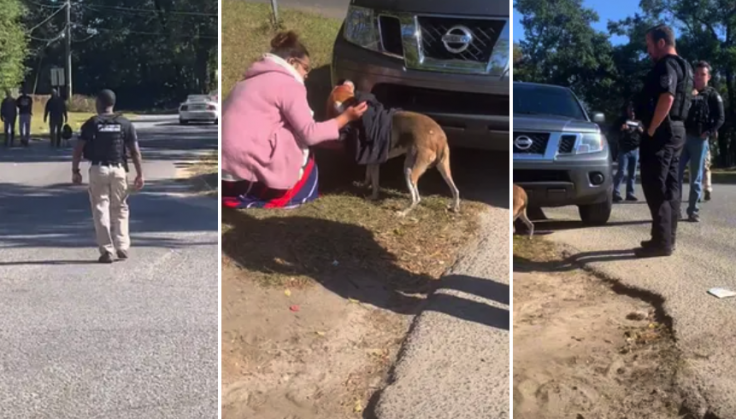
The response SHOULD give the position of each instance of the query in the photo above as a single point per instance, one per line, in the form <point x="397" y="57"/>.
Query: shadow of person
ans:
<point x="347" y="260"/>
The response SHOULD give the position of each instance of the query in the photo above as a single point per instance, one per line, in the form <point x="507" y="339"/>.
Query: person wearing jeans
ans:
<point x="25" y="113"/>
<point x="704" y="119"/>
<point x="628" y="155"/>
<point x="8" y="114"/>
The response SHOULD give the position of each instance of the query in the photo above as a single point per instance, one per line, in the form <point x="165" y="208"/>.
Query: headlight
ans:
<point x="591" y="143"/>
<point x="361" y="28"/>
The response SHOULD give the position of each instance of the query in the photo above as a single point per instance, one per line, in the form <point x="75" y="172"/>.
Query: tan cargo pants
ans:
<point x="108" y="194"/>
<point x="707" y="185"/>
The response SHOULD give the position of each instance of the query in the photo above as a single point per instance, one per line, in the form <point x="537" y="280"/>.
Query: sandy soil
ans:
<point x="309" y="354"/>
<point x="583" y="351"/>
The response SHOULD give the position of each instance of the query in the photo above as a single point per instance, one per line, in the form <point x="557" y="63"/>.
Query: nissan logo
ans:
<point x="458" y="39"/>
<point x="523" y="142"/>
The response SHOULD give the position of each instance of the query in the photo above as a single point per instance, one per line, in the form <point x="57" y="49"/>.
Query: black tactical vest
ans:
<point x="683" y="91"/>
<point x="699" y="115"/>
<point x="108" y="144"/>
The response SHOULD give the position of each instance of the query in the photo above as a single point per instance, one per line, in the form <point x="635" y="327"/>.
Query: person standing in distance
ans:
<point x="8" y="114"/>
<point x="664" y="106"/>
<point x="25" y="114"/>
<point x="704" y="120"/>
<point x="56" y="115"/>
<point x="103" y="142"/>
<point x="628" y="154"/>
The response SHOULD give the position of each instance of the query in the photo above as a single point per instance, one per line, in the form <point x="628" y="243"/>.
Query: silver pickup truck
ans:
<point x="447" y="59"/>
<point x="561" y="157"/>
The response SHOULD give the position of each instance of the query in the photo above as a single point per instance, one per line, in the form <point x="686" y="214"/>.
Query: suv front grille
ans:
<point x="484" y="34"/>
<point x="539" y="143"/>
<point x="567" y="144"/>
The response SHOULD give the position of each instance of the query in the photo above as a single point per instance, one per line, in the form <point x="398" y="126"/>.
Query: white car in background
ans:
<point x="199" y="108"/>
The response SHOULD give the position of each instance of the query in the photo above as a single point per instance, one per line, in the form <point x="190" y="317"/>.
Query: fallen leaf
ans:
<point x="358" y="406"/>
<point x="287" y="293"/>
<point x="294" y="308"/>
<point x="320" y="333"/>
<point x="353" y="300"/>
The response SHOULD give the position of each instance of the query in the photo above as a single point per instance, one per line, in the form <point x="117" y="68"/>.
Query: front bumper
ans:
<point x="208" y="116"/>
<point x="556" y="184"/>
<point x="472" y="109"/>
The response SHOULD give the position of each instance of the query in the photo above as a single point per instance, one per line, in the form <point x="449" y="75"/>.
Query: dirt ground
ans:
<point x="301" y="351"/>
<point x="583" y="351"/>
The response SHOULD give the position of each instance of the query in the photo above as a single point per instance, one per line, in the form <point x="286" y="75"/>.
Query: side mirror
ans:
<point x="599" y="118"/>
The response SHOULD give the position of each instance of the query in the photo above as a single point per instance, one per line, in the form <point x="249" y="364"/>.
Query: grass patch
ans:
<point x="202" y="174"/>
<point x="247" y="33"/>
<point x="345" y="236"/>
<point x="536" y="249"/>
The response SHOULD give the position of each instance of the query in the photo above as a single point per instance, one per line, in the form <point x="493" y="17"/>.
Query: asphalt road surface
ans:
<point x="704" y="325"/>
<point x="136" y="339"/>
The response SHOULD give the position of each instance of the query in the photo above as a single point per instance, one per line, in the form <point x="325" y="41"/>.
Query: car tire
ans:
<point x="596" y="214"/>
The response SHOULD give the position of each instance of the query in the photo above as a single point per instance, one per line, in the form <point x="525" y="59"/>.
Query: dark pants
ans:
<point x="55" y="126"/>
<point x="660" y="161"/>
<point x="627" y="161"/>
<point x="9" y="130"/>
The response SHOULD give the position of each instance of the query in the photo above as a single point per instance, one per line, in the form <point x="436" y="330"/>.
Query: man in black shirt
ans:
<point x="103" y="141"/>
<point x="705" y="119"/>
<point x="56" y="115"/>
<point x="628" y="153"/>
<point x="8" y="114"/>
<point x="663" y="107"/>
<point x="25" y="114"/>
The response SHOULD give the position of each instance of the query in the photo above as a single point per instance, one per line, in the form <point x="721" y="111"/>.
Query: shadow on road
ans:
<point x="573" y="262"/>
<point x="60" y="216"/>
<point x="366" y="272"/>
<point x="545" y="227"/>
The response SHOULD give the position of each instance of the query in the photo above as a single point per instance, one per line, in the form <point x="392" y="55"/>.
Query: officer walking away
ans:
<point x="25" y="114"/>
<point x="8" y="115"/>
<point x="103" y="141"/>
<point x="628" y="153"/>
<point x="56" y="116"/>
<point x="703" y="122"/>
<point x="664" y="106"/>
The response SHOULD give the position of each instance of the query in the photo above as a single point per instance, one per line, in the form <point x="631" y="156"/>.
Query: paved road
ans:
<point x="135" y="339"/>
<point x="330" y="8"/>
<point x="455" y="361"/>
<point x="704" y="325"/>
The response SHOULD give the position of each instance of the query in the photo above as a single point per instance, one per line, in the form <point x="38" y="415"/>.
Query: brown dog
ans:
<point x="521" y="203"/>
<point x="418" y="136"/>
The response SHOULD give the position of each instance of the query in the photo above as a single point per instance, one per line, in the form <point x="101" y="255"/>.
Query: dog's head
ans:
<point x="341" y="97"/>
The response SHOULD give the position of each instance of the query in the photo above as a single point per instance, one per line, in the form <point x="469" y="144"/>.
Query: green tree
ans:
<point x="561" y="47"/>
<point x="13" y="44"/>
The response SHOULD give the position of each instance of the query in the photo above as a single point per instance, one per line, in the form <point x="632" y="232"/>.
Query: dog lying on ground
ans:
<point x="521" y="203"/>
<point x="417" y="136"/>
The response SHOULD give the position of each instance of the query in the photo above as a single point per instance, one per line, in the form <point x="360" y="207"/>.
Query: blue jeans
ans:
<point x="694" y="153"/>
<point x="627" y="161"/>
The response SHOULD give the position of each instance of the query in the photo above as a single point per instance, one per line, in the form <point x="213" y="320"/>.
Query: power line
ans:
<point x="47" y="19"/>
<point x="163" y="35"/>
<point x="131" y="9"/>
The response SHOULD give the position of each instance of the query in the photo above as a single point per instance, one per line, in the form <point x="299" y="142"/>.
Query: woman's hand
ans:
<point x="356" y="112"/>
<point x="351" y="114"/>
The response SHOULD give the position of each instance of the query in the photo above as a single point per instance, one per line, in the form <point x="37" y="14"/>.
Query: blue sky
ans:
<point x="607" y="10"/>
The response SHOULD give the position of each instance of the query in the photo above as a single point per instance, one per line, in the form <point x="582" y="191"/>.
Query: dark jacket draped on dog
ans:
<point x="369" y="140"/>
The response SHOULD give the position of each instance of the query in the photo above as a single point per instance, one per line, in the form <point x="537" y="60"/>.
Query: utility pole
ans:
<point x="275" y="8"/>
<point x="68" y="50"/>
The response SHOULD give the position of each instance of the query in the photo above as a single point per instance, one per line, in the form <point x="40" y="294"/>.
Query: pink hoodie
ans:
<point x="267" y="126"/>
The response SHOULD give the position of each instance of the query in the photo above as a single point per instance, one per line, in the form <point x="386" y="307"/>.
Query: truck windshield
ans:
<point x="540" y="100"/>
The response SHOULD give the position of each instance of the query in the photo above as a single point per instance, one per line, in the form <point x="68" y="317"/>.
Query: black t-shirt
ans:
<point x="101" y="127"/>
<point x="663" y="78"/>
<point x="629" y="138"/>
<point x="25" y="105"/>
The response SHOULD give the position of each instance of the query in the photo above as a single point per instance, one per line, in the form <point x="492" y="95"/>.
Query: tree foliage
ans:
<point x="13" y="43"/>
<point x="151" y="52"/>
<point x="561" y="47"/>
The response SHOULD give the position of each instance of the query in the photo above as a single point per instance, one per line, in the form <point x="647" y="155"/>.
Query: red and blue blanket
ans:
<point x="244" y="194"/>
